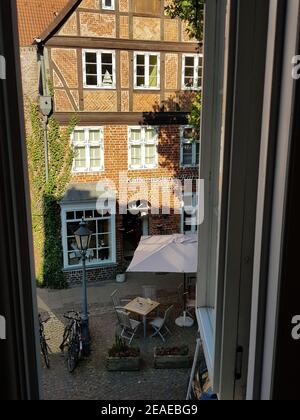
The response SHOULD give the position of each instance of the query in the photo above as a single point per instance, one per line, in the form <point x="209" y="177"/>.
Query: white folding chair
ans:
<point x="129" y="326"/>
<point x="160" y="325"/>
<point x="118" y="303"/>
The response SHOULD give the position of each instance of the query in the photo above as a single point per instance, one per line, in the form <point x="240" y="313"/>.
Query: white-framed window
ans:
<point x="88" y="147"/>
<point x="108" y="4"/>
<point x="142" y="147"/>
<point x="192" y="71"/>
<point x="189" y="147"/>
<point x="103" y="242"/>
<point x="189" y="217"/>
<point x="147" y="70"/>
<point x="99" y="69"/>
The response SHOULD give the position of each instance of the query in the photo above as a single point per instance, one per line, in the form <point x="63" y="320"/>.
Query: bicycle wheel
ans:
<point x="73" y="355"/>
<point x="45" y="353"/>
<point x="67" y="338"/>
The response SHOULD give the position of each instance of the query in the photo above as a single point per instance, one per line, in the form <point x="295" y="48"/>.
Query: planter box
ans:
<point x="123" y="364"/>
<point x="172" y="362"/>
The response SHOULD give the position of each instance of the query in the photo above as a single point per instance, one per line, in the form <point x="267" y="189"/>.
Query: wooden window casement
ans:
<point x="99" y="69"/>
<point x="103" y="243"/>
<point x="147" y="70"/>
<point x="189" y="147"/>
<point x="192" y="71"/>
<point x="142" y="148"/>
<point x="108" y="4"/>
<point x="88" y="149"/>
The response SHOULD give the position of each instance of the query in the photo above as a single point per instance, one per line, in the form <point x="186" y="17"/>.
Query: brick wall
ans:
<point x="116" y="161"/>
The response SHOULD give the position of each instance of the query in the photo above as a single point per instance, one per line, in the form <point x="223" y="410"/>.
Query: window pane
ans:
<point x="107" y="4"/>
<point x="106" y="58"/>
<point x="189" y="72"/>
<point x="70" y="215"/>
<point x="136" y="135"/>
<point x="150" y="154"/>
<point x="140" y="71"/>
<point x="89" y="214"/>
<point x="197" y="153"/>
<point x="103" y="226"/>
<point x="153" y="71"/>
<point x="140" y="81"/>
<point x="91" y="80"/>
<point x="189" y="61"/>
<point x="140" y="59"/>
<point x="94" y="135"/>
<point x="188" y="133"/>
<point x="136" y="155"/>
<point x="79" y="216"/>
<point x="95" y="154"/>
<point x="80" y="158"/>
<point x="93" y="243"/>
<point x="74" y="258"/>
<point x="92" y="226"/>
<point x="153" y="59"/>
<point x="187" y="154"/>
<point x="79" y="136"/>
<point x="71" y="228"/>
<point x="91" y="69"/>
<point x="150" y="134"/>
<point x="90" y="57"/>
<point x="72" y="245"/>
<point x="104" y="241"/>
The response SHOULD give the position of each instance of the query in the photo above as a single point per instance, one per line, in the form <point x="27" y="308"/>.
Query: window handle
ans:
<point x="239" y="363"/>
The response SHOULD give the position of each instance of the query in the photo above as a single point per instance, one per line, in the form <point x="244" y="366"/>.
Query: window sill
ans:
<point x="186" y="89"/>
<point x="89" y="267"/>
<point x="188" y="166"/>
<point x="205" y="318"/>
<point x="96" y="171"/>
<point x="147" y="89"/>
<point x="99" y="87"/>
<point x="144" y="169"/>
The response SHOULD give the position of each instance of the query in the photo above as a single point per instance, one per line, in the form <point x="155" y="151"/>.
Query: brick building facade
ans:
<point x="130" y="74"/>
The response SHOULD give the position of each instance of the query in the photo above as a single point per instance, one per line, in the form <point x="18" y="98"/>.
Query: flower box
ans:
<point x="123" y="364"/>
<point x="172" y="358"/>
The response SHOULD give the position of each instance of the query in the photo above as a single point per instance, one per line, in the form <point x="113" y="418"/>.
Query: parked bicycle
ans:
<point x="45" y="349"/>
<point x="73" y="340"/>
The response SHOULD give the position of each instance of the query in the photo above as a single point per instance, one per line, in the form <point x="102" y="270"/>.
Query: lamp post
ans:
<point x="83" y="238"/>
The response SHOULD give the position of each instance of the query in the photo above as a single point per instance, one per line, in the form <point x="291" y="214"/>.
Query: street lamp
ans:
<point x="83" y="239"/>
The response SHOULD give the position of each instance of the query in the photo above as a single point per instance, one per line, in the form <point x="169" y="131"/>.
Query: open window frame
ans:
<point x="229" y="163"/>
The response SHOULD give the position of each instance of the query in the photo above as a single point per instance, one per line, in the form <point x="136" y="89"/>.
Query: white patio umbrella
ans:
<point x="167" y="254"/>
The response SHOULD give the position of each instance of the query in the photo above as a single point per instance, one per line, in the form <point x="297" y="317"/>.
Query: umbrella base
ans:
<point x="184" y="321"/>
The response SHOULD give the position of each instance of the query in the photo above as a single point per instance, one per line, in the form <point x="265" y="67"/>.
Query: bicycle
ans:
<point x="45" y="349"/>
<point x="72" y="339"/>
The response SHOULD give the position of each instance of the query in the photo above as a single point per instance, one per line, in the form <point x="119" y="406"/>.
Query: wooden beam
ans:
<point x="121" y="44"/>
<point x="125" y="118"/>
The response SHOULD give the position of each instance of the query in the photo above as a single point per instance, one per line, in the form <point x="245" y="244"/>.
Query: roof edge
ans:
<point x="59" y="21"/>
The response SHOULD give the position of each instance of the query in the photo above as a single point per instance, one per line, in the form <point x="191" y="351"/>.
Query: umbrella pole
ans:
<point x="184" y="294"/>
<point x="184" y="321"/>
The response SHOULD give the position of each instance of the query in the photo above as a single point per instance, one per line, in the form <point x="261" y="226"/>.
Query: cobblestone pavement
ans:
<point x="91" y="381"/>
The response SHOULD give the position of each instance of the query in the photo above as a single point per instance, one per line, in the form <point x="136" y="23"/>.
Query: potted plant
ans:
<point x="123" y="358"/>
<point x="172" y="357"/>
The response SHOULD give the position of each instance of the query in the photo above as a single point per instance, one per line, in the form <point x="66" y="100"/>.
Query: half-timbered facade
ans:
<point x="130" y="73"/>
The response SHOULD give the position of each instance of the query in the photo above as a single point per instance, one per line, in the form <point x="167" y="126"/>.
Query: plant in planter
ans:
<point x="172" y="357"/>
<point x="123" y="358"/>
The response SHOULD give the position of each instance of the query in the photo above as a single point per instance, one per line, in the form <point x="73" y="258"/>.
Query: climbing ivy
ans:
<point x="45" y="195"/>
